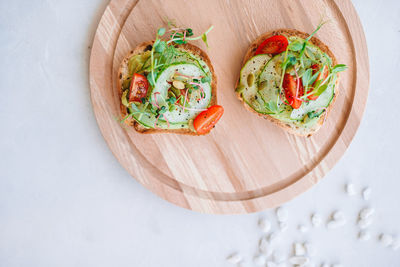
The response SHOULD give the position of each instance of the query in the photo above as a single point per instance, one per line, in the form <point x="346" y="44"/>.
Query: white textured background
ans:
<point x="66" y="201"/>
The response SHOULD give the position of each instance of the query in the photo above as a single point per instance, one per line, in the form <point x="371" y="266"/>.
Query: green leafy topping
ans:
<point x="182" y="36"/>
<point x="338" y="68"/>
<point x="171" y="100"/>
<point x="161" y="31"/>
<point x="204" y="38"/>
<point x="306" y="77"/>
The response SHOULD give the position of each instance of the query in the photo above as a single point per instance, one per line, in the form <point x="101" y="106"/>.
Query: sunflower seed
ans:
<point x="299" y="260"/>
<point x="350" y="190"/>
<point x="234" y="258"/>
<point x="364" y="235"/>
<point x="316" y="219"/>
<point x="366" y="193"/>
<point x="282" y="214"/>
<point x="264" y="224"/>
<point x="366" y="212"/>
<point x="299" y="249"/>
<point x="338" y="215"/>
<point x="386" y="239"/>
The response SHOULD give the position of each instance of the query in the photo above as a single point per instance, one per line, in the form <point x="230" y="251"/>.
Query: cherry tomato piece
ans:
<point x="138" y="88"/>
<point x="206" y="120"/>
<point x="273" y="45"/>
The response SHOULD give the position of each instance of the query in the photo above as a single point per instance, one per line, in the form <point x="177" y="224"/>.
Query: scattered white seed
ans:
<point x="396" y="244"/>
<point x="278" y="256"/>
<point x="338" y="215"/>
<point x="260" y="259"/>
<point x="271" y="264"/>
<point x="234" y="258"/>
<point x="324" y="264"/>
<point x="264" y="224"/>
<point x="272" y="236"/>
<point x="350" y="190"/>
<point x="366" y="212"/>
<point x="386" y="239"/>
<point x="264" y="247"/>
<point x="282" y="264"/>
<point x="282" y="214"/>
<point x="299" y="260"/>
<point x="366" y="193"/>
<point x="283" y="226"/>
<point x="299" y="249"/>
<point x="302" y="228"/>
<point x="316" y="219"/>
<point x="311" y="251"/>
<point x="364" y="235"/>
<point x="364" y="223"/>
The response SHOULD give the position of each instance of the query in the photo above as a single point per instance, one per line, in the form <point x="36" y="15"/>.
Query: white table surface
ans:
<point x="66" y="201"/>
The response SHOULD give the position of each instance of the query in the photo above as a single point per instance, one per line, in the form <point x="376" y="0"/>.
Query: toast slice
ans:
<point x="123" y="74"/>
<point x="290" y="127"/>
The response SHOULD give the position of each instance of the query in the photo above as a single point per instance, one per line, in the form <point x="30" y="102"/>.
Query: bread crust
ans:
<point x="315" y="41"/>
<point x="123" y="72"/>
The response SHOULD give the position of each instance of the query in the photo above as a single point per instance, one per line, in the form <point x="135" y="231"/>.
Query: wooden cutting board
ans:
<point x="246" y="164"/>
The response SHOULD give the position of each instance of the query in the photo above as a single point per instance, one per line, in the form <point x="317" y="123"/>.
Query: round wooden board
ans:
<point x="245" y="164"/>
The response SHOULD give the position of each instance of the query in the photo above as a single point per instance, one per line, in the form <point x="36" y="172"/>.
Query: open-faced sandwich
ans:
<point x="290" y="78"/>
<point x="169" y="85"/>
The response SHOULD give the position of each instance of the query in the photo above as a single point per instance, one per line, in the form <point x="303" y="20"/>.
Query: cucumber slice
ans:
<point x="249" y="92"/>
<point x="161" y="87"/>
<point x="149" y="120"/>
<point x="321" y="102"/>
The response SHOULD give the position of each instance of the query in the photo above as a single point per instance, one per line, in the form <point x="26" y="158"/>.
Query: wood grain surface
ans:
<point x="246" y="164"/>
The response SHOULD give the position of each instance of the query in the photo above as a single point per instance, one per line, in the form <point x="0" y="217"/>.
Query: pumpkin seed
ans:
<point x="250" y="79"/>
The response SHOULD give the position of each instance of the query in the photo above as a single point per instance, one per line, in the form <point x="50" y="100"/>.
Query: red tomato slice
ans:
<point x="290" y="87"/>
<point x="206" y="120"/>
<point x="273" y="45"/>
<point x="321" y="76"/>
<point x="139" y="87"/>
